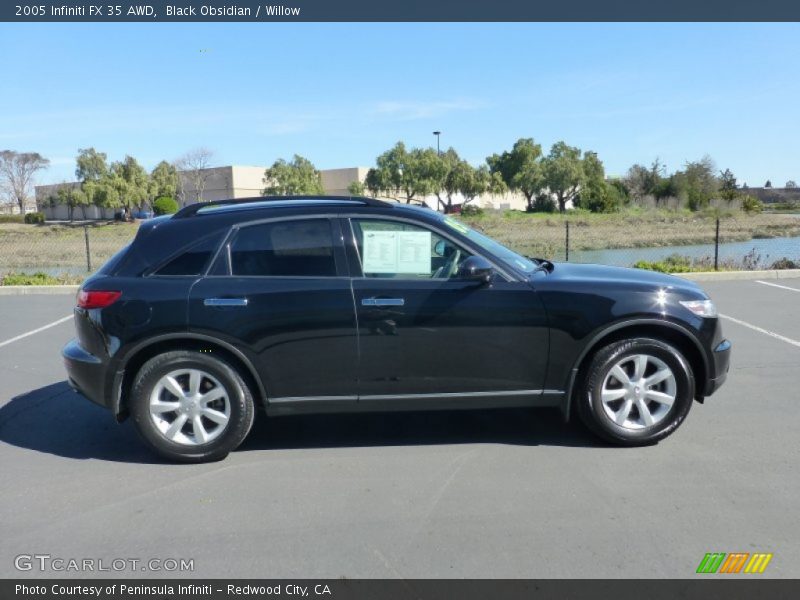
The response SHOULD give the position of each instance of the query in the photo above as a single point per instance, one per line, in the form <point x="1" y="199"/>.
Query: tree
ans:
<point x="137" y="182"/>
<point x="791" y="184"/>
<point x="194" y="169"/>
<point x="408" y="175"/>
<point x="72" y="197"/>
<point x="563" y="173"/>
<point x="356" y="188"/>
<point x="768" y="184"/>
<point x="466" y="180"/>
<point x="641" y="182"/>
<point x="297" y="177"/>
<point x="17" y="170"/>
<point x="164" y="181"/>
<point x="596" y="194"/>
<point x="91" y="168"/>
<point x="125" y="183"/>
<point x="437" y="170"/>
<point x="521" y="169"/>
<point x="727" y="186"/>
<point x="90" y="165"/>
<point x="700" y="184"/>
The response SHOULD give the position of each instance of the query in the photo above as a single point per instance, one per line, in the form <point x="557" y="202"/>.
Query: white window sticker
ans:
<point x="397" y="252"/>
<point x="414" y="252"/>
<point x="380" y="251"/>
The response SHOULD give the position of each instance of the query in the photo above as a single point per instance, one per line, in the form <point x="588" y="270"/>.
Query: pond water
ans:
<point x="766" y="252"/>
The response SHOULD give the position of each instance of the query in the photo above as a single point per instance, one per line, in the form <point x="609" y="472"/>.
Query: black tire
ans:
<point x="591" y="407"/>
<point x="240" y="406"/>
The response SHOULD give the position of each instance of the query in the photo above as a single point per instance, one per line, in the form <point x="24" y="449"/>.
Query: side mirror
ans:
<point x="439" y="248"/>
<point x="477" y="269"/>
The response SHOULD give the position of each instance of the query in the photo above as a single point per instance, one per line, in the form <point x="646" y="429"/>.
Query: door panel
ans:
<point x="299" y="332"/>
<point x="424" y="331"/>
<point x="449" y="337"/>
<point x="287" y="304"/>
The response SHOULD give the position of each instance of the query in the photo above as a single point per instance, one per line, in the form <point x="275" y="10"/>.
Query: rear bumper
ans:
<point x="86" y="373"/>
<point x="721" y="357"/>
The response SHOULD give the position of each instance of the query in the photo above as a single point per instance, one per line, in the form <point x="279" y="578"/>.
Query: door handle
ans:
<point x="383" y="302"/>
<point x="225" y="302"/>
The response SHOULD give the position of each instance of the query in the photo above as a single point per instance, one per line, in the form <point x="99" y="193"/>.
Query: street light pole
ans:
<point x="437" y="134"/>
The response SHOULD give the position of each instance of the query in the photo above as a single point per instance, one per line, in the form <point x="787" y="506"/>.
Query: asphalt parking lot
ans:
<point x="473" y="494"/>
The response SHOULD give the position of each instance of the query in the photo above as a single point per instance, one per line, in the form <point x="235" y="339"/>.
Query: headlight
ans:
<point x="702" y="308"/>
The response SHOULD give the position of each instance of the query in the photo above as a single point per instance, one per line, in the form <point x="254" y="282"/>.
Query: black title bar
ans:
<point x="283" y="11"/>
<point x="397" y="589"/>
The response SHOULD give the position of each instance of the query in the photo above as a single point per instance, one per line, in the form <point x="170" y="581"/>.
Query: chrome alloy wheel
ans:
<point x="190" y="407"/>
<point x="638" y="391"/>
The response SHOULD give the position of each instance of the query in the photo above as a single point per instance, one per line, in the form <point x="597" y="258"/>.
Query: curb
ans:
<point x="740" y="275"/>
<point x="22" y="290"/>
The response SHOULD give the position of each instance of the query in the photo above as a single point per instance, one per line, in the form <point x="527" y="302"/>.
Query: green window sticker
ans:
<point x="460" y="227"/>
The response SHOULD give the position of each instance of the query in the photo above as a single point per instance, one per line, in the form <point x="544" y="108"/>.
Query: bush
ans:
<point x="751" y="205"/>
<point x="785" y="263"/>
<point x="543" y="203"/>
<point x="165" y="206"/>
<point x="12" y="219"/>
<point x="672" y="264"/>
<point x="34" y="218"/>
<point x="471" y="210"/>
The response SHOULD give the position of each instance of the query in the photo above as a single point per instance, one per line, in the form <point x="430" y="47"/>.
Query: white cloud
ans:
<point x="409" y="110"/>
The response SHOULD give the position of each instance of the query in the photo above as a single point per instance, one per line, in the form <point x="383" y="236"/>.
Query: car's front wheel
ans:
<point x="636" y="392"/>
<point x="191" y="407"/>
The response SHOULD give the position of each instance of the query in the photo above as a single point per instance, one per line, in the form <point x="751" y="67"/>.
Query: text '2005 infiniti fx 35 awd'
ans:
<point x="333" y="304"/>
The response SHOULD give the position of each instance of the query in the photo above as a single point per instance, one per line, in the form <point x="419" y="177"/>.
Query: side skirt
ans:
<point x="413" y="402"/>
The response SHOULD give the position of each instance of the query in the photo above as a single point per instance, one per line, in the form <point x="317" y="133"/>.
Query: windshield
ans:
<point x="491" y="246"/>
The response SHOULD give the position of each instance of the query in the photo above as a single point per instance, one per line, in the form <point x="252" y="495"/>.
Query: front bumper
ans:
<point x="722" y="362"/>
<point x="86" y="373"/>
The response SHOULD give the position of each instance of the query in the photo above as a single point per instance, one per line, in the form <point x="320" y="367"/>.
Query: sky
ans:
<point x="340" y="94"/>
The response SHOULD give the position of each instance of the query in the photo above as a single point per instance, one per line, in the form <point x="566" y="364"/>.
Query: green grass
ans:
<point x="38" y="278"/>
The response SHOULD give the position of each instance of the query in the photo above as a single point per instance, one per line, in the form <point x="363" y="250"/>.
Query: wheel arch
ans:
<point x="665" y="331"/>
<point x="144" y="351"/>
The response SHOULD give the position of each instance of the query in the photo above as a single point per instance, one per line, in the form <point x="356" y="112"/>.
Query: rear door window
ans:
<point x="295" y="248"/>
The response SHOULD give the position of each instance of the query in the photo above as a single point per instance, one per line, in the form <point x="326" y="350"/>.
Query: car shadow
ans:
<point x="55" y="420"/>
<point x="517" y="426"/>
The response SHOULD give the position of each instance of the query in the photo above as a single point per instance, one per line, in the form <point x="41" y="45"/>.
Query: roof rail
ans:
<point x="192" y="209"/>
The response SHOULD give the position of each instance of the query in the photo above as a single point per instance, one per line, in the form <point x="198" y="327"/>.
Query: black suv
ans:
<point x="330" y="304"/>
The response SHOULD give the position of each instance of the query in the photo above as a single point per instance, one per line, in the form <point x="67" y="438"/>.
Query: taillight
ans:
<point x="97" y="298"/>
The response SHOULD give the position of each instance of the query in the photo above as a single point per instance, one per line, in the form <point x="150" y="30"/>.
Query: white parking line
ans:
<point x="783" y="287"/>
<point x="35" y="331"/>
<point x="777" y="336"/>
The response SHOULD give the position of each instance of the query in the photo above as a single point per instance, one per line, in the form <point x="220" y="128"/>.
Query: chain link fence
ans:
<point x="69" y="252"/>
<point x="65" y="252"/>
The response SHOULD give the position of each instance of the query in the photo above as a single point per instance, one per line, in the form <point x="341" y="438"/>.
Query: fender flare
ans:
<point x="116" y="390"/>
<point x="566" y="407"/>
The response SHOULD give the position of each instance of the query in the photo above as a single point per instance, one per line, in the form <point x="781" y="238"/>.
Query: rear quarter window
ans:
<point x="110" y="266"/>
<point x="191" y="260"/>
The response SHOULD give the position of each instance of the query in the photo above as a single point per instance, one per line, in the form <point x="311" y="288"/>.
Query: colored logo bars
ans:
<point x="720" y="562"/>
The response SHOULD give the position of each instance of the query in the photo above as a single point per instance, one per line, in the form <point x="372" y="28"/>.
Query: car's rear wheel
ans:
<point x="191" y="407"/>
<point x="636" y="392"/>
